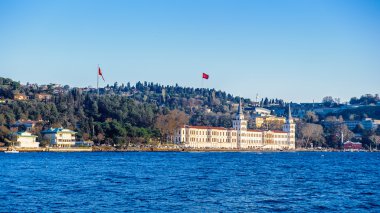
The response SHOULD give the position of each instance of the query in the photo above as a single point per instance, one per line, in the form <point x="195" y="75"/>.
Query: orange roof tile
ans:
<point x="278" y="131"/>
<point x="206" y="127"/>
<point x="254" y="130"/>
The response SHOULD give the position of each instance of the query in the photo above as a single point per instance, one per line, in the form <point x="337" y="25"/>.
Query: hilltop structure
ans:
<point x="237" y="137"/>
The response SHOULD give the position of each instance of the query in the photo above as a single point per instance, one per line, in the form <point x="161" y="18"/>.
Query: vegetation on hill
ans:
<point x="121" y="114"/>
<point x="365" y="99"/>
<point x="148" y="113"/>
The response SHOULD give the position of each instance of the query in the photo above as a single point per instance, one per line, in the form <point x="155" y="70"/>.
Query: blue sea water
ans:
<point x="190" y="182"/>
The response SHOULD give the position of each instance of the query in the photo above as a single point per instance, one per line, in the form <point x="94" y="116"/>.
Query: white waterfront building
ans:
<point x="237" y="137"/>
<point x="26" y="140"/>
<point x="60" y="137"/>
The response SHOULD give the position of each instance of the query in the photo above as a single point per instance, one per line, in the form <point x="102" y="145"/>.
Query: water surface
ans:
<point x="190" y="182"/>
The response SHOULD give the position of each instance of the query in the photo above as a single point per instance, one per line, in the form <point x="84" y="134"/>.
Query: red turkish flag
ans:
<point x="100" y="73"/>
<point x="205" y="76"/>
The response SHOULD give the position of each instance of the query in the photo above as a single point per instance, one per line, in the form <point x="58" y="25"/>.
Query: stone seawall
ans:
<point x="150" y="149"/>
<point x="72" y="149"/>
<point x="52" y="149"/>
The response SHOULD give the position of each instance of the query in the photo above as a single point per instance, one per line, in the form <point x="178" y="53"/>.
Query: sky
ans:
<point x="297" y="50"/>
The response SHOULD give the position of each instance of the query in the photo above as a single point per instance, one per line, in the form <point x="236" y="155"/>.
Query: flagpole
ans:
<point x="202" y="81"/>
<point x="97" y="80"/>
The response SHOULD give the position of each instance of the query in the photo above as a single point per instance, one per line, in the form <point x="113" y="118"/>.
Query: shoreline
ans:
<point x="151" y="149"/>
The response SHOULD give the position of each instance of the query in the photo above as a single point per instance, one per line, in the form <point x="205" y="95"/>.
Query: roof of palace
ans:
<point x="205" y="127"/>
<point x="277" y="131"/>
<point x="254" y="130"/>
<point x="222" y="128"/>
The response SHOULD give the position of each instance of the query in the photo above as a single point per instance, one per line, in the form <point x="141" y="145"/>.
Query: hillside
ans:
<point x="148" y="112"/>
<point x="120" y="114"/>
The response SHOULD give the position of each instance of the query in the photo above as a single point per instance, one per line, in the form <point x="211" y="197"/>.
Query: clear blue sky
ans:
<point x="291" y="49"/>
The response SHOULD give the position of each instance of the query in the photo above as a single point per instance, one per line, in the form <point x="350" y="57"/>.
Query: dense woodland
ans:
<point x="141" y="113"/>
<point x="147" y="113"/>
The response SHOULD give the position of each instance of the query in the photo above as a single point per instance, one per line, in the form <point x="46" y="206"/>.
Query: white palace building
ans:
<point x="237" y="137"/>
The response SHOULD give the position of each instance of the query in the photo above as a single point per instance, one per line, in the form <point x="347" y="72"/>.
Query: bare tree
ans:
<point x="376" y="140"/>
<point x="169" y="123"/>
<point x="343" y="129"/>
<point x="191" y="103"/>
<point x="311" y="117"/>
<point x="331" y="118"/>
<point x="311" y="133"/>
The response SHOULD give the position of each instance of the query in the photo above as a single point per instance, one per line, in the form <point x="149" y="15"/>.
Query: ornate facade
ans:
<point x="237" y="137"/>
